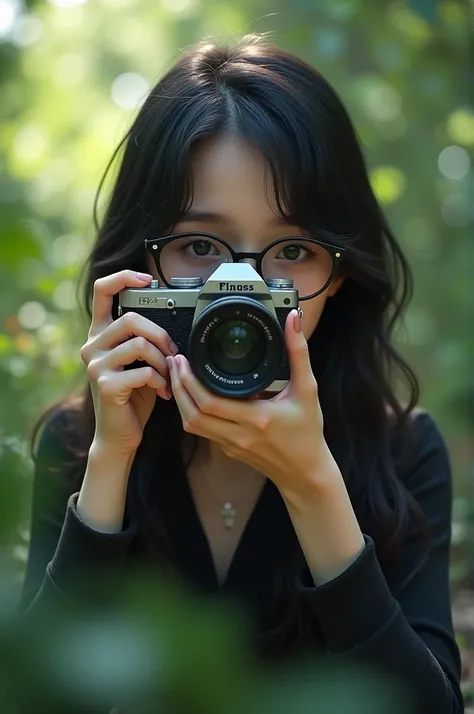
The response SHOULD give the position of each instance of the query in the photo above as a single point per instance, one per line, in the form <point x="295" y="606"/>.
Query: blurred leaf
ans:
<point x="426" y="8"/>
<point x="17" y="242"/>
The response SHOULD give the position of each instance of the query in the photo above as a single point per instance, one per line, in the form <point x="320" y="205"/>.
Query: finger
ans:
<point x="194" y="420"/>
<point x="104" y="291"/>
<point x="232" y="410"/>
<point x="137" y="348"/>
<point x="132" y="324"/>
<point x="302" y="378"/>
<point x="117" y="386"/>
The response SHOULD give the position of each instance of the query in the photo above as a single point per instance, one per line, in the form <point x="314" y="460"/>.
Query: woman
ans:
<point x="325" y="507"/>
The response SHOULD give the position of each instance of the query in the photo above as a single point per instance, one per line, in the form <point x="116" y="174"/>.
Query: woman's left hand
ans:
<point x="281" y="437"/>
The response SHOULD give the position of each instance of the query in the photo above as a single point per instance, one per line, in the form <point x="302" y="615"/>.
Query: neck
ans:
<point x="209" y="456"/>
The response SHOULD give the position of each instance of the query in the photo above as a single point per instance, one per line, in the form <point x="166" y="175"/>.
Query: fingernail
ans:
<point x="297" y="322"/>
<point x="146" y="277"/>
<point x="170" y="363"/>
<point x="174" y="349"/>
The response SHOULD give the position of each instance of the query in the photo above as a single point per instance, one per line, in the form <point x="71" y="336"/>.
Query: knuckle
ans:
<point x="85" y="352"/>
<point x="243" y="443"/>
<point x="130" y="319"/>
<point x="262" y="422"/>
<point x="159" y="381"/>
<point x="163" y="335"/>
<point x="230" y="451"/>
<point x="187" y="426"/>
<point x="190" y="423"/>
<point x="104" y="385"/>
<point x="99" y="284"/>
<point x="140" y="344"/>
<point x="93" y="369"/>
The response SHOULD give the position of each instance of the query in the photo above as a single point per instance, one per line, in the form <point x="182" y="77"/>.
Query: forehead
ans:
<point x="231" y="176"/>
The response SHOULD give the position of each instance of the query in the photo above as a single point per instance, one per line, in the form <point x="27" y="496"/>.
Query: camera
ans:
<point x="231" y="328"/>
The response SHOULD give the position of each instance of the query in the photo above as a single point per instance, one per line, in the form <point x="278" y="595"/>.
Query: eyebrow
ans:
<point x="212" y="217"/>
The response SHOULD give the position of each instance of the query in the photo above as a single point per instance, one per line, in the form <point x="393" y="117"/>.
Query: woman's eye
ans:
<point x="202" y="248"/>
<point x="293" y="252"/>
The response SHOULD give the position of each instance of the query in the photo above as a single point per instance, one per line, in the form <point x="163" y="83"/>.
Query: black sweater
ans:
<point x="364" y="613"/>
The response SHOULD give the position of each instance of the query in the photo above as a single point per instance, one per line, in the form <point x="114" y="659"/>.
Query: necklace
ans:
<point x="228" y="509"/>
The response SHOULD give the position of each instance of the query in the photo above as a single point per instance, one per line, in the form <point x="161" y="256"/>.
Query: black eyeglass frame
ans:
<point x="154" y="246"/>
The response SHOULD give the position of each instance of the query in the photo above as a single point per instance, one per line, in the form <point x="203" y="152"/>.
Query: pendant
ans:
<point x="228" y="514"/>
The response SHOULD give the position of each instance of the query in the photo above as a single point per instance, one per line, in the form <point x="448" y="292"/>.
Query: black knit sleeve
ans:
<point x="61" y="544"/>
<point x="406" y="628"/>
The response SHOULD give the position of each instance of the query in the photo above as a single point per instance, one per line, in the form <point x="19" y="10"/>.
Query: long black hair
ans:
<point x="291" y="114"/>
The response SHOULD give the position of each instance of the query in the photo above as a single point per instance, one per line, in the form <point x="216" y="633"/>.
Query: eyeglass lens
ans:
<point x="307" y="264"/>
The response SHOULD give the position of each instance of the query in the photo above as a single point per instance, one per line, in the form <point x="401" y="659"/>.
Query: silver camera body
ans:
<point x="231" y="328"/>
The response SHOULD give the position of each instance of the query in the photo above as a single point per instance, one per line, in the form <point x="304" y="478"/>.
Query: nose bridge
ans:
<point x="252" y="261"/>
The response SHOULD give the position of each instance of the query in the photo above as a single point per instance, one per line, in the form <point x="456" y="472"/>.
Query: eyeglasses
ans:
<point x="310" y="263"/>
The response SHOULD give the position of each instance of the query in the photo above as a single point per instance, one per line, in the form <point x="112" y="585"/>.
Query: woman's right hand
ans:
<point x="124" y="399"/>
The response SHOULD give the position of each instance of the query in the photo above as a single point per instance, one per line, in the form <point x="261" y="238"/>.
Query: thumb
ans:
<point x="298" y="354"/>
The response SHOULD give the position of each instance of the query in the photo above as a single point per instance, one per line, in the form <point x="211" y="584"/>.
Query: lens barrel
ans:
<point x="236" y="346"/>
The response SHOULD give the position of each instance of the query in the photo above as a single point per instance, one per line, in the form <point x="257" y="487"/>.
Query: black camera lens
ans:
<point x="236" y="347"/>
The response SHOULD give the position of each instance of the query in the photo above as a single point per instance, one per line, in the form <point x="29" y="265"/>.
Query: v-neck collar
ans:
<point x="265" y="533"/>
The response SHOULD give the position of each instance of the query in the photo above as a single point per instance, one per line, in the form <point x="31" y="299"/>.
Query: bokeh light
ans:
<point x="71" y="68"/>
<point x="382" y="101"/>
<point x="128" y="90"/>
<point x="453" y="162"/>
<point x="460" y="126"/>
<point x="388" y="183"/>
<point x="32" y="315"/>
<point x="66" y="3"/>
<point x="9" y="11"/>
<point x="27" y="30"/>
<point x="30" y="147"/>
<point x="64" y="295"/>
<point x="329" y="42"/>
<point x="179" y="6"/>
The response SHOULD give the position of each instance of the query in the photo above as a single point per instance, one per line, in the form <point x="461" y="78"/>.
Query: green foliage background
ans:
<point x="72" y="74"/>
